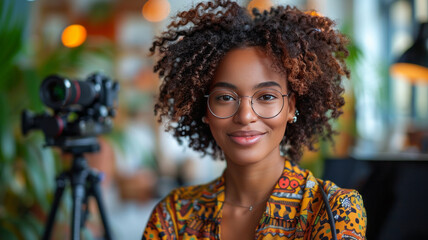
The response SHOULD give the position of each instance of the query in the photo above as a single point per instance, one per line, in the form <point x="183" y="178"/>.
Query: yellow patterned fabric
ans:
<point x="295" y="210"/>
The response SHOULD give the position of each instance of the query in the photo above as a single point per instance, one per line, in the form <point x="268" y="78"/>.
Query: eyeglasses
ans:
<point x="266" y="103"/>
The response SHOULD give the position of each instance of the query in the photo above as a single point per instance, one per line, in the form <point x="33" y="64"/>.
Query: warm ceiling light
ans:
<point x="156" y="10"/>
<point x="413" y="64"/>
<point x="73" y="35"/>
<point x="260" y="4"/>
<point x="411" y="72"/>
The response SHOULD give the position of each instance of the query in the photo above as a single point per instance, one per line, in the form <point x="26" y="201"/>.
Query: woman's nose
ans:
<point x="245" y="113"/>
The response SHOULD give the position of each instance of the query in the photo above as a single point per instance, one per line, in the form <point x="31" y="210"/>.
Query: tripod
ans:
<point x="84" y="183"/>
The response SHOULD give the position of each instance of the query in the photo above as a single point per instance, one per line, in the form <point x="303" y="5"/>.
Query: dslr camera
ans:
<point x="81" y="110"/>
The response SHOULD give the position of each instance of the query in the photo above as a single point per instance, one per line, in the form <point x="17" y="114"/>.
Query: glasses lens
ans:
<point x="268" y="103"/>
<point x="223" y="103"/>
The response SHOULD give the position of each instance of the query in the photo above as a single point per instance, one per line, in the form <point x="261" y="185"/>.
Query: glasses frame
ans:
<point x="239" y="103"/>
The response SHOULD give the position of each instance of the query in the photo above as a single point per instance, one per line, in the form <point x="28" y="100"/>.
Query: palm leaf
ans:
<point x="10" y="39"/>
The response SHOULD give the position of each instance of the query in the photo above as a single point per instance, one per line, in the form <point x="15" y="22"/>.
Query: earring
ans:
<point x="295" y="116"/>
<point x="204" y="120"/>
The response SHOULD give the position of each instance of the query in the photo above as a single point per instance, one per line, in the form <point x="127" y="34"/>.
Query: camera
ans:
<point x="82" y="109"/>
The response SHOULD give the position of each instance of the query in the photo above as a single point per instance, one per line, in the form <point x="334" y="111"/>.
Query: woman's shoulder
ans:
<point x="190" y="200"/>
<point x="332" y="189"/>
<point x="190" y="203"/>
<point x="347" y="209"/>
<point x="346" y="201"/>
<point x="346" y="205"/>
<point x="208" y="190"/>
<point x="342" y="197"/>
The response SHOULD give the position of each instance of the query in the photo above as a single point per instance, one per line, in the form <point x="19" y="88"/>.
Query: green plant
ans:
<point x="27" y="170"/>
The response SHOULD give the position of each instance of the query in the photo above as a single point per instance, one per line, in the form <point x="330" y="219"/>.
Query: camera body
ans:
<point x="81" y="111"/>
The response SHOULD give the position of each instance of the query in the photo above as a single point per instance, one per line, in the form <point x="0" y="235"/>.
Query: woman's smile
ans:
<point x="246" y="138"/>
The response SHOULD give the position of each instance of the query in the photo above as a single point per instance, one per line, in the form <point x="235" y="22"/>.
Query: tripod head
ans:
<point x="81" y="110"/>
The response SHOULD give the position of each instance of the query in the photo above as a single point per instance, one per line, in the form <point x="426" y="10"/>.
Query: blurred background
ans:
<point x="381" y="149"/>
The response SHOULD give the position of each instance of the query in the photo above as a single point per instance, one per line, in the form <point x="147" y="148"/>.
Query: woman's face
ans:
<point x="245" y="137"/>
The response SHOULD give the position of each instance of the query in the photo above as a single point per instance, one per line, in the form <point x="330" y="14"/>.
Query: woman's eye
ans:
<point x="225" y="98"/>
<point x="267" y="97"/>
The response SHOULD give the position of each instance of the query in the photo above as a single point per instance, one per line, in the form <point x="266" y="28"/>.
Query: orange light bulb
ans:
<point x="73" y="35"/>
<point x="156" y="10"/>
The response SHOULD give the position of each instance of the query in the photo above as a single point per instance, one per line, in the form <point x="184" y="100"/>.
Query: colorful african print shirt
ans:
<point x="295" y="210"/>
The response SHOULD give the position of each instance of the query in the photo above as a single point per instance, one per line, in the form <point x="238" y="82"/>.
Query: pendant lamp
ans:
<point x="413" y="64"/>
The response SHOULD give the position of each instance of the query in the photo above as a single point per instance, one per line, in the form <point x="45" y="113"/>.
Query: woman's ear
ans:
<point x="291" y="107"/>
<point x="205" y="119"/>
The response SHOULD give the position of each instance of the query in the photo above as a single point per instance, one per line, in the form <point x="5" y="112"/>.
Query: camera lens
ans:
<point x="57" y="92"/>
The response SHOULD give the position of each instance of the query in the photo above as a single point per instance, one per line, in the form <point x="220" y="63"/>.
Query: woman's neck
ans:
<point x="247" y="185"/>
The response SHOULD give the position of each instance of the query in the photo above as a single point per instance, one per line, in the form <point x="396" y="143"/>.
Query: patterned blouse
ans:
<point x="295" y="210"/>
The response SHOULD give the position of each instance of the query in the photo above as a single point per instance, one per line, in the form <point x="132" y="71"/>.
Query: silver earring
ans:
<point x="204" y="120"/>
<point x="295" y="116"/>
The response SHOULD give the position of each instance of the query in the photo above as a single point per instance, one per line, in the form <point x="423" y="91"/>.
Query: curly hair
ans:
<point x="303" y="46"/>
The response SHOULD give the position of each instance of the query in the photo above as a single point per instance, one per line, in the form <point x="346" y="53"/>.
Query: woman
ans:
<point x="253" y="90"/>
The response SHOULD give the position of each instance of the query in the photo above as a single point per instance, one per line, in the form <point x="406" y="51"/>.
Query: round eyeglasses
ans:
<point x="266" y="103"/>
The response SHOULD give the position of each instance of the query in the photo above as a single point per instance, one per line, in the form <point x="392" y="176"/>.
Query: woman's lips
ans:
<point x="246" y="138"/>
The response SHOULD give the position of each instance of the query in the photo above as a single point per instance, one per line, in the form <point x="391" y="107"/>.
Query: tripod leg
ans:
<point x="96" y="192"/>
<point x="85" y="208"/>
<point x="78" y="191"/>
<point x="60" y="185"/>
